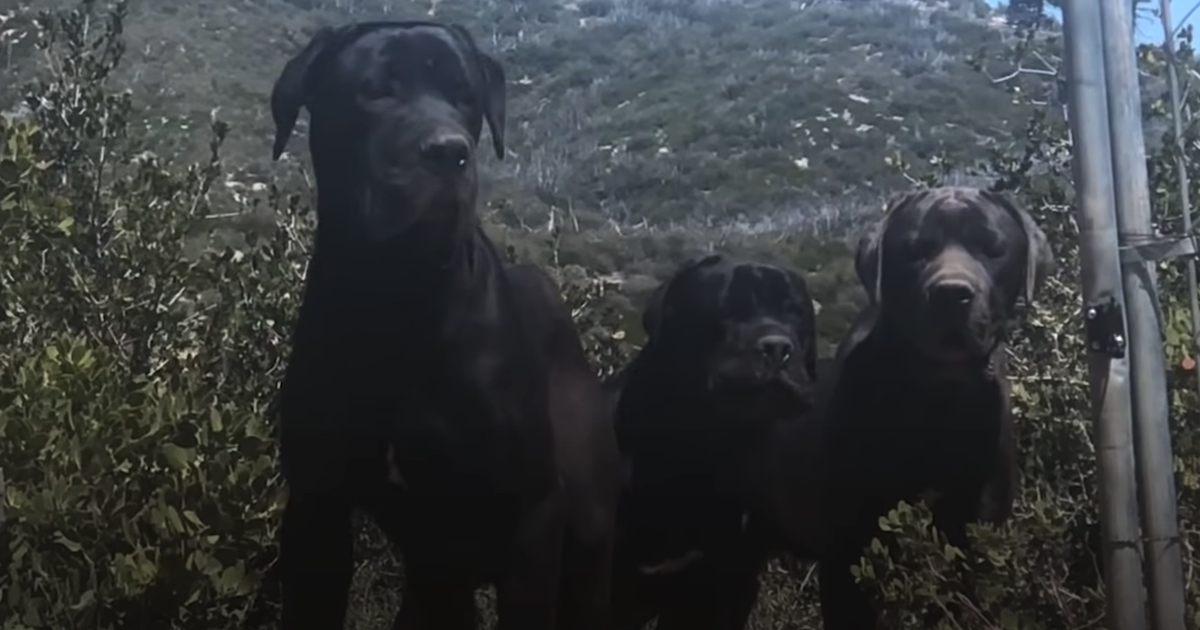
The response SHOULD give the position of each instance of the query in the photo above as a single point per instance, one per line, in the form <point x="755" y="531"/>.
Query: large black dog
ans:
<point x="728" y="369"/>
<point x="431" y="385"/>
<point x="919" y="401"/>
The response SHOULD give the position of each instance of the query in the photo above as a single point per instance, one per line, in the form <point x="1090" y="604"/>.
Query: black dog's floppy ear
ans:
<point x="1039" y="262"/>
<point x="652" y="314"/>
<point x="492" y="94"/>
<point x="809" y="332"/>
<point x="290" y="92"/>
<point x="494" y="100"/>
<point x="868" y="259"/>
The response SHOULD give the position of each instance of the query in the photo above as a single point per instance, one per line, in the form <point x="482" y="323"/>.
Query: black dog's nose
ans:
<point x="776" y="348"/>
<point x="951" y="296"/>
<point x="446" y="153"/>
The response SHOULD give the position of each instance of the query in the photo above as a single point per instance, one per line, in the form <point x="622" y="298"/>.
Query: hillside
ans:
<point x="760" y="112"/>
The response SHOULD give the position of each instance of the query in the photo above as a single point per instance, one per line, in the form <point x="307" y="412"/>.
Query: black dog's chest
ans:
<point x="919" y="434"/>
<point x="438" y="440"/>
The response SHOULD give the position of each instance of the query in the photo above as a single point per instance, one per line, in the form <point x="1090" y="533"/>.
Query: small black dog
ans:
<point x="728" y="368"/>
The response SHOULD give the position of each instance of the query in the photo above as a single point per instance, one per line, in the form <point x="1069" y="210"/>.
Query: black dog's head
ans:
<point x="946" y="266"/>
<point x="396" y="110"/>
<point x="742" y="333"/>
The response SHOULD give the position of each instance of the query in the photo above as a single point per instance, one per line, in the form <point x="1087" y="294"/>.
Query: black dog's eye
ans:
<point x="371" y="89"/>
<point x="466" y="98"/>
<point x="922" y="248"/>
<point x="994" y="248"/>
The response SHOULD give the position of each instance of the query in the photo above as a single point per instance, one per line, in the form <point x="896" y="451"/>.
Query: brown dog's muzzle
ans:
<point x="956" y="311"/>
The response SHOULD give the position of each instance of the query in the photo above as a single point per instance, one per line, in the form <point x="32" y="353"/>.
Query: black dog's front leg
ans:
<point x="586" y="591"/>
<point x="723" y="596"/>
<point x="317" y="561"/>
<point x="527" y="597"/>
<point x="844" y="604"/>
<point x="434" y="599"/>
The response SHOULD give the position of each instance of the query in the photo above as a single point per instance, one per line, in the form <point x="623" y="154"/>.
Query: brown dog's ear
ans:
<point x="291" y="92"/>
<point x="868" y="259"/>
<point x="494" y="100"/>
<point x="1039" y="262"/>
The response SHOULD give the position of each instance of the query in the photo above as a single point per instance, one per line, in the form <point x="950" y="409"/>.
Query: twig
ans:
<point x="3" y="517"/>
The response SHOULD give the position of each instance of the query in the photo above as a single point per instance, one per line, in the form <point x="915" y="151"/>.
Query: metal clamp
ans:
<point x="1105" y="328"/>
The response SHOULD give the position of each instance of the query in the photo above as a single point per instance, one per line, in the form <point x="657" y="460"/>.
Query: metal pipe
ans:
<point x="1151" y="428"/>
<point x="1100" y="273"/>
<point x="1181" y="171"/>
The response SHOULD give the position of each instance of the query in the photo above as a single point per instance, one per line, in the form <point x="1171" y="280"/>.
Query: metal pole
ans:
<point x="1181" y="173"/>
<point x="1101" y="279"/>
<point x="1152" y="433"/>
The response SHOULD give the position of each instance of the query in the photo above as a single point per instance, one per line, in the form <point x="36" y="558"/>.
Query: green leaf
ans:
<point x="178" y="457"/>
<point x="10" y="172"/>
<point x="215" y="421"/>
<point x="193" y="518"/>
<point x="65" y="225"/>
<point x="174" y="520"/>
<point x="87" y="599"/>
<point x="71" y="545"/>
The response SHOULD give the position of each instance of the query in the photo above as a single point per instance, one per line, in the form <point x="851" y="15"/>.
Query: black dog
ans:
<point x="727" y="368"/>
<point x="429" y="384"/>
<point x="919" y="402"/>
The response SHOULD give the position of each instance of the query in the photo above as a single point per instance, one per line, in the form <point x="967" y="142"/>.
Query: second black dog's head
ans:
<point x="741" y="334"/>
<point x="947" y="266"/>
<point x="396" y="110"/>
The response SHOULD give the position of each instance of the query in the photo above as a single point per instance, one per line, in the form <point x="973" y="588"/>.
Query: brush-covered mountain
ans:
<point x="763" y="113"/>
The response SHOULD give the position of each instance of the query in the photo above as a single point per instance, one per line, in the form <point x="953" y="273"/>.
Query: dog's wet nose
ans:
<point x="951" y="296"/>
<point x="776" y="348"/>
<point x="446" y="153"/>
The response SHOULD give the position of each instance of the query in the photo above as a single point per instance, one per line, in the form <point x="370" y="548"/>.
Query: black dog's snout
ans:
<point x="951" y="297"/>
<point x="446" y="153"/>
<point x="775" y="348"/>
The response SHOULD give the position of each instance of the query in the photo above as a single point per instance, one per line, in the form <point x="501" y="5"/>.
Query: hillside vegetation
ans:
<point x="151" y="260"/>
<point x="661" y="110"/>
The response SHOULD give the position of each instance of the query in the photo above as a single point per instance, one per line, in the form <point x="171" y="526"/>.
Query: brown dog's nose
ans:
<point x="951" y="297"/>
<point x="775" y="348"/>
<point x="446" y="153"/>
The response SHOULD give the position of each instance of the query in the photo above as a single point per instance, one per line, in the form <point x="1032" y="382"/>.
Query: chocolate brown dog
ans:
<point x="918" y="403"/>
<point x="441" y="390"/>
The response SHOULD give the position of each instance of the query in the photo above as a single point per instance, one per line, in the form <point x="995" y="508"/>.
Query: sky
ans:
<point x="1149" y="30"/>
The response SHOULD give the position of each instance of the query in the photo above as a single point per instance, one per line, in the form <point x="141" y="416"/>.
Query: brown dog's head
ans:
<point x="742" y="334"/>
<point x="396" y="110"/>
<point x="947" y="266"/>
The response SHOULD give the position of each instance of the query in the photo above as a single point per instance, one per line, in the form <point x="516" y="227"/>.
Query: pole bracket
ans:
<point x="1105" y="327"/>
<point x="1163" y="248"/>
